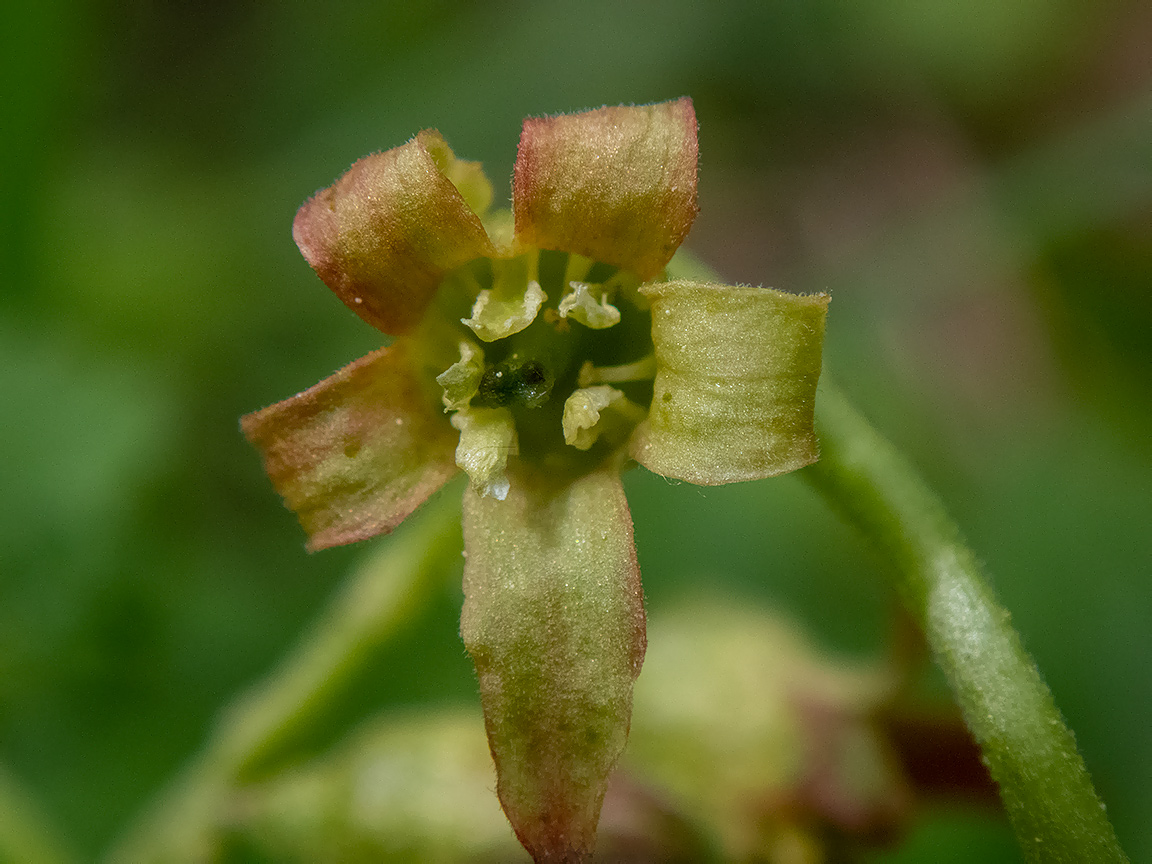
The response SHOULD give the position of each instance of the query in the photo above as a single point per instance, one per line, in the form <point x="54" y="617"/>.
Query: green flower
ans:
<point x="537" y="351"/>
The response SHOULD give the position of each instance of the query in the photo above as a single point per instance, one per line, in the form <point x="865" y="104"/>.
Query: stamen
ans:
<point x="643" y="369"/>
<point x="577" y="268"/>
<point x="512" y="302"/>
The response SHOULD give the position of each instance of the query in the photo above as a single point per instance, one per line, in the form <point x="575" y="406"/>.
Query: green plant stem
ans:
<point x="1027" y="747"/>
<point x="260" y="726"/>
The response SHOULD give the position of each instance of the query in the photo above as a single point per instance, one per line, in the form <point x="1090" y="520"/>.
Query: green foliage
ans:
<point x="150" y="294"/>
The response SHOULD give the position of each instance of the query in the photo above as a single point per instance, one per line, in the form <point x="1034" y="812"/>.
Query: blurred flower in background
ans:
<point x="784" y="756"/>
<point x="971" y="183"/>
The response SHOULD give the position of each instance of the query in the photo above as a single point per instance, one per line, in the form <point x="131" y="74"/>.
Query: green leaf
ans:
<point x="554" y="620"/>
<point x="736" y="373"/>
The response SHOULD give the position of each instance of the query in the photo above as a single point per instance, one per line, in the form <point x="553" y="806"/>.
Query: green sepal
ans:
<point x="735" y="389"/>
<point x="737" y="705"/>
<point x="385" y="234"/>
<point x="408" y="787"/>
<point x="617" y="184"/>
<point x="358" y="452"/>
<point x="554" y="620"/>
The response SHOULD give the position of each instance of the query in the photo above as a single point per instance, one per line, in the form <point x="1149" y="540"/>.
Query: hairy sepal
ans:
<point x="554" y="620"/>
<point x="617" y="184"/>
<point x="736" y="375"/>
<point x="385" y="234"/>
<point x="355" y="454"/>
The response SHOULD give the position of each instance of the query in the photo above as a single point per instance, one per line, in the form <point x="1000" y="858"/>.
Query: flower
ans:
<point x="537" y="351"/>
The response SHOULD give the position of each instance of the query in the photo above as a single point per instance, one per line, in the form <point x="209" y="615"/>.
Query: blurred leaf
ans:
<point x="743" y="724"/>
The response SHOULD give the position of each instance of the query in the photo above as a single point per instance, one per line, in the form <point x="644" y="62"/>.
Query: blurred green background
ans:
<point x="972" y="182"/>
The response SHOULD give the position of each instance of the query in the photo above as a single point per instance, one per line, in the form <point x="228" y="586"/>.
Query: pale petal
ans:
<point x="461" y="380"/>
<point x="354" y="455"/>
<point x="735" y="384"/>
<point x="487" y="439"/>
<point x="592" y="412"/>
<point x="554" y="620"/>
<point x="494" y="318"/>
<point x="617" y="185"/>
<point x="581" y="305"/>
<point x="511" y="304"/>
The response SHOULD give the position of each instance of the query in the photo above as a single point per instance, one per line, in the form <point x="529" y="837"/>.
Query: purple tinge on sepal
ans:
<point x="384" y="235"/>
<point x="554" y="620"/>
<point x="355" y="454"/>
<point x="616" y="184"/>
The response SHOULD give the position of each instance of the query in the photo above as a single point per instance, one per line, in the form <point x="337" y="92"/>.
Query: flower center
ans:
<point x="555" y="363"/>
